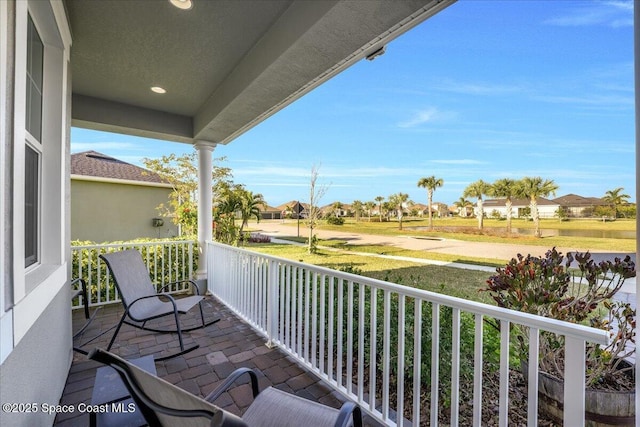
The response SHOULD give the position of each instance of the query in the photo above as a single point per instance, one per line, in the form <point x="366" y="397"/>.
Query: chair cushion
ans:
<point x="276" y="408"/>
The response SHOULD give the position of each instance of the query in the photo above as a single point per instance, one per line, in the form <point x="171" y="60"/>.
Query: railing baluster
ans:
<point x="361" y="339"/>
<point x="417" y="359"/>
<point x="349" y="378"/>
<point x="308" y="320"/>
<point x="323" y="319"/>
<point x="574" y="350"/>
<point x="314" y="324"/>
<point x="301" y="276"/>
<point x="400" y="364"/>
<point x="386" y="350"/>
<point x="477" y="371"/>
<point x="503" y="419"/>
<point x="532" y="391"/>
<point x="455" y="366"/>
<point x="340" y="330"/>
<point x="373" y="349"/>
<point x="331" y="328"/>
<point x="435" y="361"/>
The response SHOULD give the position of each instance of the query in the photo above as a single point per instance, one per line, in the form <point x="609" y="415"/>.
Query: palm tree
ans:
<point x="505" y="188"/>
<point x="462" y="204"/>
<point x="398" y="200"/>
<point x="369" y="206"/>
<point x="615" y="199"/>
<point x="357" y="206"/>
<point x="379" y="199"/>
<point x="430" y="183"/>
<point x="478" y="189"/>
<point x="249" y="206"/>
<point x="532" y="188"/>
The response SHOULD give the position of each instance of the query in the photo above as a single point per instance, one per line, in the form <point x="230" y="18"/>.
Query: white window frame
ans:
<point x="35" y="287"/>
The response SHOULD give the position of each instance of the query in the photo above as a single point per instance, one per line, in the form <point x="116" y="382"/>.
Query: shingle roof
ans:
<point x="576" y="200"/>
<point x="94" y="164"/>
<point x="517" y="202"/>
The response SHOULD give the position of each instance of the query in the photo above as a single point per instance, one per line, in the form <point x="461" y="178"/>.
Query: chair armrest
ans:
<point x="83" y="293"/>
<point x="190" y="281"/>
<point x="347" y="411"/>
<point x="230" y="380"/>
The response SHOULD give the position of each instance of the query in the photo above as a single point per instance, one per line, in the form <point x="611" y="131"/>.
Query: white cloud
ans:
<point x="616" y="14"/>
<point x="426" y="116"/>
<point x="459" y="162"/>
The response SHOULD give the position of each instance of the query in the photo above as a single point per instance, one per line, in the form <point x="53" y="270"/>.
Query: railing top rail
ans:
<point x="129" y="244"/>
<point x="587" y="333"/>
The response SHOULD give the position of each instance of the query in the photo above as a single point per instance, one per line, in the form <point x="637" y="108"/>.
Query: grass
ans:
<point x="441" y="279"/>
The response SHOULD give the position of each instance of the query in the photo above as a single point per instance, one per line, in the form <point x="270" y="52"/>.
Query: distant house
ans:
<point x="114" y="200"/>
<point x="293" y="209"/>
<point x="579" y="206"/>
<point x="269" y="212"/>
<point x="520" y="207"/>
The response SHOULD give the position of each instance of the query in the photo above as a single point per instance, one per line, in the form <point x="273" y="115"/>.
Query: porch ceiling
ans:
<point x="226" y="64"/>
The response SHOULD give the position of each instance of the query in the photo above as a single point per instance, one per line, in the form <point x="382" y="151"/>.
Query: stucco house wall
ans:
<point x="107" y="211"/>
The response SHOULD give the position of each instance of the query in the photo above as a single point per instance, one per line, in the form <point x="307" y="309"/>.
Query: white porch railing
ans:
<point x="382" y="344"/>
<point x="167" y="261"/>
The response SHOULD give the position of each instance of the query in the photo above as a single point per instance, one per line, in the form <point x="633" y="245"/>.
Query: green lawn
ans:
<point x="445" y="280"/>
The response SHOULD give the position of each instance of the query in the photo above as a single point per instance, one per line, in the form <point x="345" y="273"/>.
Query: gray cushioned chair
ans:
<point x="143" y="303"/>
<point x="164" y="404"/>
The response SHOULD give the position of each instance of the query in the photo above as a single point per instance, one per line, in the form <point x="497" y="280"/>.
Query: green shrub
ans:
<point x="335" y="220"/>
<point x="166" y="263"/>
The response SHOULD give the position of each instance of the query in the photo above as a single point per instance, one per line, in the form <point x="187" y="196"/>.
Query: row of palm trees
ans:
<point x="530" y="188"/>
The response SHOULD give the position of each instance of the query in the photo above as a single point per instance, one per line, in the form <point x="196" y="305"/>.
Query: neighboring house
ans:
<point x="579" y="206"/>
<point x="114" y="200"/>
<point x="520" y="208"/>
<point x="269" y="212"/>
<point x="294" y="209"/>
<point x="330" y="210"/>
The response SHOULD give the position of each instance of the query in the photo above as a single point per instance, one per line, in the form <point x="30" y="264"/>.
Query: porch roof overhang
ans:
<point x="225" y="65"/>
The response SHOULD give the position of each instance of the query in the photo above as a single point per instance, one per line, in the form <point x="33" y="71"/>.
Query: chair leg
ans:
<point x="113" y="338"/>
<point x="201" y="312"/>
<point x="175" y="314"/>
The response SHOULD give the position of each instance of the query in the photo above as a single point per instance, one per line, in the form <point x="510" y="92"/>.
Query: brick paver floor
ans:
<point x="224" y="346"/>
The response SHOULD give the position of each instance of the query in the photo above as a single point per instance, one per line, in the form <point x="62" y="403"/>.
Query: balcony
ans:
<point x="329" y="335"/>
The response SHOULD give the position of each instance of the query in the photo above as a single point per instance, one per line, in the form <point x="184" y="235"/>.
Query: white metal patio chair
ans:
<point x="143" y="303"/>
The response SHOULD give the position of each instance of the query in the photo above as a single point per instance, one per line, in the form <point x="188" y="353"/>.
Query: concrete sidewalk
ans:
<point x="499" y="251"/>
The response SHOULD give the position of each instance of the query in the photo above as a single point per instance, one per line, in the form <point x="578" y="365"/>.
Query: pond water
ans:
<point x="546" y="232"/>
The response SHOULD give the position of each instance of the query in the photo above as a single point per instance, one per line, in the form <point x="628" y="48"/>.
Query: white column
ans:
<point x="205" y="196"/>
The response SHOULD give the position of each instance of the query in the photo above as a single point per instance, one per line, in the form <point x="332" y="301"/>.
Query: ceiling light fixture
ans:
<point x="182" y="4"/>
<point x="158" y="89"/>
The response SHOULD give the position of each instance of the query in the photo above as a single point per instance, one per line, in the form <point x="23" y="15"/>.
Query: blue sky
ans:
<point x="483" y="90"/>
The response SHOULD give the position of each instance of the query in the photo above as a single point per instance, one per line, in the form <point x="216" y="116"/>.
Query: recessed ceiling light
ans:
<point x="182" y="4"/>
<point x="158" y="89"/>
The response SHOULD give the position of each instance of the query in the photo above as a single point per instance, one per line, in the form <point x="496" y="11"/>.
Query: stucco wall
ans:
<point x="103" y="212"/>
<point x="36" y="370"/>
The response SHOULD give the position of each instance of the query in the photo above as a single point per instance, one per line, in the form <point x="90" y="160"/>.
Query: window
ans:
<point x="33" y="149"/>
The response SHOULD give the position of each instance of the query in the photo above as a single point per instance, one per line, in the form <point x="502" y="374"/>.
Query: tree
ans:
<point x="337" y="208"/>
<point x="379" y="199"/>
<point x="398" y="200"/>
<point x="182" y="173"/>
<point x="369" y="207"/>
<point x="532" y="188"/>
<point x="615" y="199"/>
<point x="430" y="183"/>
<point x="249" y="206"/>
<point x="463" y="206"/>
<point x="313" y="216"/>
<point x="357" y="207"/>
<point x="478" y="189"/>
<point x="505" y="188"/>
